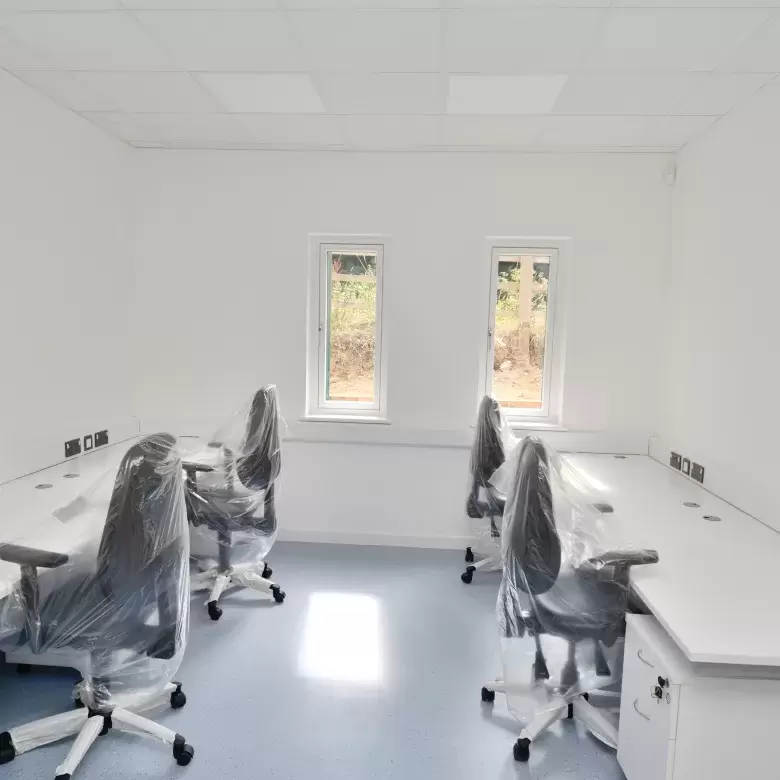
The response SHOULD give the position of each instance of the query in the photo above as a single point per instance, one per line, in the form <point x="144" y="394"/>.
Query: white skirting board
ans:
<point x="738" y="487"/>
<point x="318" y="536"/>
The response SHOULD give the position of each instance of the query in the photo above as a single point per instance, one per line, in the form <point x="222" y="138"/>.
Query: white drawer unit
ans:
<point x="652" y="674"/>
<point x="678" y="722"/>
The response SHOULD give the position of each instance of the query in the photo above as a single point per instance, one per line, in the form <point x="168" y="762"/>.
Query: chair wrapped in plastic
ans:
<point x="563" y="598"/>
<point x="117" y="609"/>
<point x="493" y="441"/>
<point x="230" y="501"/>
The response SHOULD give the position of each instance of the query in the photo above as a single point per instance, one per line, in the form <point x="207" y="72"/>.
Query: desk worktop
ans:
<point x="716" y="587"/>
<point x="26" y="512"/>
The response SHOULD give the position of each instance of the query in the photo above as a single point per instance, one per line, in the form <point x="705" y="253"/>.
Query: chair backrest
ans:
<point x="487" y="450"/>
<point x="145" y="533"/>
<point x="531" y="539"/>
<point x="260" y="461"/>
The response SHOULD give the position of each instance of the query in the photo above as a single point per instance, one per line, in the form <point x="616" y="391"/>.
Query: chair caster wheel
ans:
<point x="182" y="752"/>
<point x="267" y="572"/>
<point x="522" y="750"/>
<point x="468" y="575"/>
<point x="488" y="696"/>
<point x="178" y="698"/>
<point x="469" y="555"/>
<point x="215" y="613"/>
<point x="23" y="668"/>
<point x="279" y="594"/>
<point x="7" y="749"/>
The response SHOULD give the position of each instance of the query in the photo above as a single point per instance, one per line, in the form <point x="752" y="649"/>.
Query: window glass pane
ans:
<point x="349" y="370"/>
<point x="520" y="330"/>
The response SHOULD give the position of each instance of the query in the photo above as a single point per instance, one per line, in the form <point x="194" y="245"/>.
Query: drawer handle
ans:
<point x="643" y="660"/>
<point x="639" y="712"/>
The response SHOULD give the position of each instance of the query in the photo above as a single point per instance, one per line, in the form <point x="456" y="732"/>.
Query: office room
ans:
<point x="387" y="389"/>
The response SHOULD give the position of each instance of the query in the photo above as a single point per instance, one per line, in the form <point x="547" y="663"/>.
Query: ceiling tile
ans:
<point x="370" y="41"/>
<point x="194" y="128"/>
<point x="503" y="94"/>
<point x="670" y="39"/>
<point x="224" y="40"/>
<point x="15" y="55"/>
<point x="364" y="93"/>
<point x="275" y="93"/>
<point x="538" y="40"/>
<point x="491" y="131"/>
<point x="760" y="52"/>
<point x="718" y="93"/>
<point x="122" y="126"/>
<point x="60" y="5"/>
<point x="484" y="5"/>
<point x="280" y="129"/>
<point x="392" y="132"/>
<point x="151" y="92"/>
<point x="65" y="89"/>
<point x="400" y="5"/>
<point x="696" y="3"/>
<point x="625" y="93"/>
<point x="109" y="40"/>
<point x="615" y="131"/>
<point x="190" y="5"/>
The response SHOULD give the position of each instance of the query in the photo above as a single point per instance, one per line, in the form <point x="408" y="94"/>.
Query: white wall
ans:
<point x="721" y="377"/>
<point x="221" y="259"/>
<point x="64" y="279"/>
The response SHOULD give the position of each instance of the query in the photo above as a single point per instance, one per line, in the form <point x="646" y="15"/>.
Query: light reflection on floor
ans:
<point x="342" y="639"/>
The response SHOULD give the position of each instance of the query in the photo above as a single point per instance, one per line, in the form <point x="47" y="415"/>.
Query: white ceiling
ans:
<point x="564" y="75"/>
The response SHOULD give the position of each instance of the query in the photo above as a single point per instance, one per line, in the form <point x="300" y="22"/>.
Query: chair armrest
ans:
<point x="29" y="556"/>
<point x="621" y="560"/>
<point x="192" y="468"/>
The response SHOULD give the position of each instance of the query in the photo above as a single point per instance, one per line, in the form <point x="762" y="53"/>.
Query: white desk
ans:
<point x="26" y="513"/>
<point x="716" y="587"/>
<point x="715" y="593"/>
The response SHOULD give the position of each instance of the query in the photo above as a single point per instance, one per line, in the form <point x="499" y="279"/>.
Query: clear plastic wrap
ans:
<point x="230" y="489"/>
<point x="117" y="609"/>
<point x="493" y="441"/>
<point x="564" y="593"/>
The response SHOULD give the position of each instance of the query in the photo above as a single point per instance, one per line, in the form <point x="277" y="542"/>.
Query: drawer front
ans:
<point x="646" y="722"/>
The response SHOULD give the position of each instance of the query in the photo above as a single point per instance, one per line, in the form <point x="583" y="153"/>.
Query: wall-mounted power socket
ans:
<point x="675" y="460"/>
<point x="697" y="472"/>
<point x="101" y="438"/>
<point x="686" y="467"/>
<point x="72" y="447"/>
<point x="88" y="442"/>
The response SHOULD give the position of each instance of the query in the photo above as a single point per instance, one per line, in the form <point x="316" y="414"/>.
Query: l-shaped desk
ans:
<point x="26" y="511"/>
<point x="715" y="592"/>
<point x="714" y="638"/>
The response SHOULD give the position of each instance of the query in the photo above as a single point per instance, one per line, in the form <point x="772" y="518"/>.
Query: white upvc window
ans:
<point x="346" y="367"/>
<point x="521" y="362"/>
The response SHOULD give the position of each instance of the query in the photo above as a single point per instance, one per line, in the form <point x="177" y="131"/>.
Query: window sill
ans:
<point x="533" y="425"/>
<point x="345" y="418"/>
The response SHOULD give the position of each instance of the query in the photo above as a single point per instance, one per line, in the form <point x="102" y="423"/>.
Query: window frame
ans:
<point x="550" y="413"/>
<point x="317" y="406"/>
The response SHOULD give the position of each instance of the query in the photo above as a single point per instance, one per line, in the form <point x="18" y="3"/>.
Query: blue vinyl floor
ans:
<point x="371" y="668"/>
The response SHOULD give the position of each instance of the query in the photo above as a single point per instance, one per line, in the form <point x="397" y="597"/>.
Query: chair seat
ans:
<point x="579" y="606"/>
<point x="75" y="613"/>
<point x="223" y="503"/>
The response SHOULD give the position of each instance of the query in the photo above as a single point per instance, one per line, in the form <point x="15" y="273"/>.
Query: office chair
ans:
<point x="556" y="583"/>
<point x="121" y="610"/>
<point x="484" y="502"/>
<point x="231" y="506"/>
